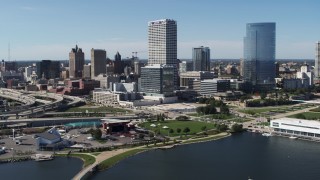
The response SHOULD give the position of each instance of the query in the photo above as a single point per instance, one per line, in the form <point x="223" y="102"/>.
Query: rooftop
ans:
<point x="298" y="121"/>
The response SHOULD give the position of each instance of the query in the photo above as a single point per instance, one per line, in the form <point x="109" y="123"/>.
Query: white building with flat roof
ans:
<point x="305" y="129"/>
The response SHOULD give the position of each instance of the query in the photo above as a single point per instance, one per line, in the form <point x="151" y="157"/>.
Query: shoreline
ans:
<point x="143" y="149"/>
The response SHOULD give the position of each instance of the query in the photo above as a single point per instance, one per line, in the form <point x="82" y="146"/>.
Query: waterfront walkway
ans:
<point x="101" y="157"/>
<point x="108" y="154"/>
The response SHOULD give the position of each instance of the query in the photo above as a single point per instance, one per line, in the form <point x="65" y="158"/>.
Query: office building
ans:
<point x="185" y="66"/>
<point x="98" y="62"/>
<point x="306" y="75"/>
<point x="76" y="62"/>
<point x="10" y="66"/>
<point x="118" y="65"/>
<point x="157" y="80"/>
<point x="259" y="55"/>
<point x="304" y="129"/>
<point x="317" y="61"/>
<point x="162" y="43"/>
<point x="48" y="69"/>
<point x="187" y="77"/>
<point x="201" y="58"/>
<point x="137" y="67"/>
<point x="87" y="71"/>
<point x="209" y="87"/>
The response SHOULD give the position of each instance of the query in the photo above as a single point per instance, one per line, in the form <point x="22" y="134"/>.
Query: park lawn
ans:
<point x="96" y="153"/>
<point x="87" y="159"/>
<point x="315" y="109"/>
<point x="307" y="115"/>
<point x="222" y="116"/>
<point x="97" y="109"/>
<point x="253" y="111"/>
<point x="115" y="159"/>
<point x="194" y="126"/>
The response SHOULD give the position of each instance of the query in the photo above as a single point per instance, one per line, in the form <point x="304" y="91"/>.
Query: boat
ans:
<point x="266" y="134"/>
<point x="42" y="157"/>
<point x="292" y="137"/>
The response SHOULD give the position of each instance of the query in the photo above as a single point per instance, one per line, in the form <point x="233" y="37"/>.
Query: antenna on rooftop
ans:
<point x="9" y="56"/>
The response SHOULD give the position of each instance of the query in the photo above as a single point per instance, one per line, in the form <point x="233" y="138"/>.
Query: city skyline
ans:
<point x="39" y="30"/>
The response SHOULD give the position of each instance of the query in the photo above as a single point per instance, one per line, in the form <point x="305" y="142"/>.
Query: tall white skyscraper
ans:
<point x="317" y="61"/>
<point x="162" y="41"/>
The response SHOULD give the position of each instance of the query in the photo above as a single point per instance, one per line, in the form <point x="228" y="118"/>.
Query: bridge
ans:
<point x="28" y="98"/>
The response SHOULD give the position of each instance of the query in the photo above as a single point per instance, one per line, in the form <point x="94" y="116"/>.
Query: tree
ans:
<point x="221" y="127"/>
<point x="224" y="109"/>
<point x="186" y="130"/>
<point x="236" y="128"/>
<point x="97" y="133"/>
<point x="178" y="130"/>
<point x="161" y="117"/>
<point x="263" y="95"/>
<point x="203" y="128"/>
<point x="171" y="131"/>
<point x="182" y="118"/>
<point x="199" y="109"/>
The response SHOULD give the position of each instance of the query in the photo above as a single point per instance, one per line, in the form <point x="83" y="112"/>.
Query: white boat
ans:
<point x="266" y="134"/>
<point x="42" y="157"/>
<point x="292" y="137"/>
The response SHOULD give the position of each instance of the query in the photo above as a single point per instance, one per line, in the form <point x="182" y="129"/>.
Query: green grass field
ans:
<point x="315" y="109"/>
<point x="97" y="109"/>
<point x="115" y="159"/>
<point x="194" y="126"/>
<point x="307" y="115"/>
<point x="87" y="159"/>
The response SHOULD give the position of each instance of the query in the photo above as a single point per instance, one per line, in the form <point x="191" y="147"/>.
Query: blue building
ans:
<point x="259" y="56"/>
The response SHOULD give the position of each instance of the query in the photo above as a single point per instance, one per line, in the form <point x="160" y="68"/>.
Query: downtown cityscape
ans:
<point x="160" y="94"/>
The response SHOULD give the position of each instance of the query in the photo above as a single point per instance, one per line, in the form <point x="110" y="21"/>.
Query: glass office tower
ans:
<point x="259" y="55"/>
<point x="201" y="58"/>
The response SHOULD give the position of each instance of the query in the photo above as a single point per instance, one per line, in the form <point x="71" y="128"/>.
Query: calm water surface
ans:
<point x="236" y="157"/>
<point x="58" y="169"/>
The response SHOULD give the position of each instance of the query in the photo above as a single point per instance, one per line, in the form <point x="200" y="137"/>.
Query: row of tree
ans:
<point x="268" y="102"/>
<point x="211" y="107"/>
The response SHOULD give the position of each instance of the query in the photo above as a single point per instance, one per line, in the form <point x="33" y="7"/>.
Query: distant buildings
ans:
<point x="201" y="58"/>
<point x="259" y="55"/>
<point x="118" y="67"/>
<point x="305" y="74"/>
<point x="87" y="71"/>
<point x="48" y="69"/>
<point x="317" y="61"/>
<point x="98" y="62"/>
<point x="186" y="78"/>
<point x="185" y="66"/>
<point x="76" y="62"/>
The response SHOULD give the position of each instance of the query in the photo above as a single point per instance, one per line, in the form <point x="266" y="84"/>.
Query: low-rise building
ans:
<point x="304" y="129"/>
<point x="209" y="87"/>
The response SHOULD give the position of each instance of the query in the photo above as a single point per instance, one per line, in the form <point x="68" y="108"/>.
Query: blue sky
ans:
<point x="48" y="29"/>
